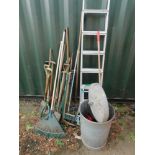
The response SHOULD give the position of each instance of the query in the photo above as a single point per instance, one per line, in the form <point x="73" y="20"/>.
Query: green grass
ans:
<point x="29" y="126"/>
<point x="131" y="136"/>
<point x="59" y="143"/>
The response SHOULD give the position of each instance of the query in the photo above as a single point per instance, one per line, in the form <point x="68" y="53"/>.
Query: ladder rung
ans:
<point x="91" y="70"/>
<point x="93" y="32"/>
<point x="92" y="52"/>
<point x="85" y="88"/>
<point x="95" y="11"/>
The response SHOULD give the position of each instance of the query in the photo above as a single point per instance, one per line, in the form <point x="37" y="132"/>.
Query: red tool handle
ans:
<point x="98" y="36"/>
<point x="98" y="46"/>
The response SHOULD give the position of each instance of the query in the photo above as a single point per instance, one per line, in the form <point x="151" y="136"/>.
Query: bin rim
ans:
<point x="106" y="122"/>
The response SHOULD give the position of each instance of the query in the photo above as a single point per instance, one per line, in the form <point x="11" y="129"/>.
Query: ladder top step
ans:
<point x="86" y="52"/>
<point x="93" y="32"/>
<point x="91" y="70"/>
<point x="96" y="11"/>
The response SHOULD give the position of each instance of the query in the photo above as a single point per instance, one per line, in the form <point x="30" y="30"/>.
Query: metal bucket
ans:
<point x="94" y="134"/>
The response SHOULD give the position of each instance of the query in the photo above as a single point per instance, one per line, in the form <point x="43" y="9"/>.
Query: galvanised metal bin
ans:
<point x="94" y="134"/>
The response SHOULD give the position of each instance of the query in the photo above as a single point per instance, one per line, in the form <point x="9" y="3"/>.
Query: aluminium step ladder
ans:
<point x="85" y="87"/>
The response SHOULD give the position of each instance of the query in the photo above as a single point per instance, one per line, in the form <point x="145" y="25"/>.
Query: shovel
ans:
<point x="45" y="104"/>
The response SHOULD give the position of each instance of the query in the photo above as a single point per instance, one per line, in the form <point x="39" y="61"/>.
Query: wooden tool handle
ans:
<point x="49" y="56"/>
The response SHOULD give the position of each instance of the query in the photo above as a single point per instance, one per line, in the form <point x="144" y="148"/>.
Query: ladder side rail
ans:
<point x="105" y="38"/>
<point x="108" y="5"/>
<point x="81" y="64"/>
<point x="83" y="2"/>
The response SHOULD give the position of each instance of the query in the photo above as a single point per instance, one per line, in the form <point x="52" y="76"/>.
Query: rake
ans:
<point x="49" y="125"/>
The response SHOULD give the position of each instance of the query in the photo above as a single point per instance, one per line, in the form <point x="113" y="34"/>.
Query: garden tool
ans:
<point x="70" y="62"/>
<point x="66" y="67"/>
<point x="67" y="42"/>
<point x="48" y="73"/>
<point x="50" y="127"/>
<point x="67" y="92"/>
<point x="63" y="95"/>
<point x="78" y="60"/>
<point x="52" y="64"/>
<point x="45" y="103"/>
<point x="67" y="46"/>
<point x="59" y="71"/>
<point x="75" y="66"/>
<point x="68" y="116"/>
<point x="57" y="79"/>
<point x="61" y="89"/>
<point x="61" y="66"/>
